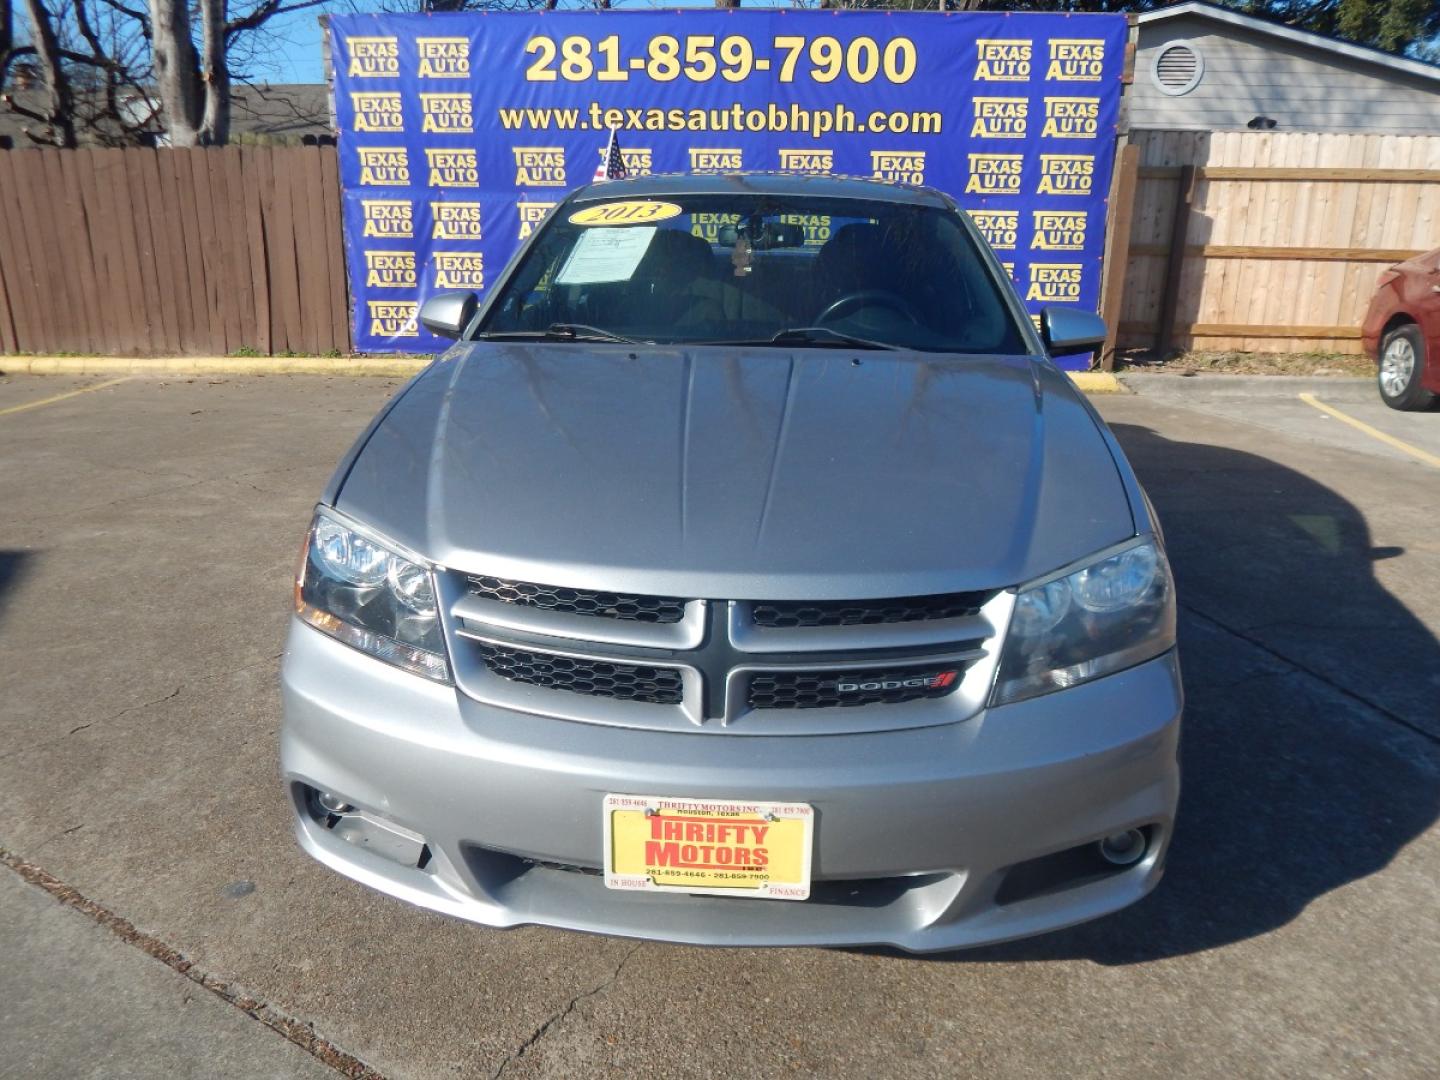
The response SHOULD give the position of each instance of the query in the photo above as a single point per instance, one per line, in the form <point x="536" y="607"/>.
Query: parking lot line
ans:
<point x="1374" y="433"/>
<point x="61" y="397"/>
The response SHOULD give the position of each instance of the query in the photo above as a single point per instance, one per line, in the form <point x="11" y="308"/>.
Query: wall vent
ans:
<point x="1178" y="69"/>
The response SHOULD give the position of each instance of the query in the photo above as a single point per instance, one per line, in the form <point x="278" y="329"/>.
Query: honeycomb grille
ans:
<point x="605" y="605"/>
<point x="598" y="678"/>
<point x="787" y="614"/>
<point x="844" y="689"/>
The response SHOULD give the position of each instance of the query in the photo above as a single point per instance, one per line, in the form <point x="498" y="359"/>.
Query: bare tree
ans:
<point x="177" y="80"/>
<point x="194" y="83"/>
<point x="55" y="108"/>
<point x="214" y="72"/>
<point x="7" y="37"/>
<point x="122" y="71"/>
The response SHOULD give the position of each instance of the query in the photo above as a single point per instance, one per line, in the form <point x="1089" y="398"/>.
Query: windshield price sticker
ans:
<point x="602" y="255"/>
<point x="759" y="849"/>
<point x="625" y="213"/>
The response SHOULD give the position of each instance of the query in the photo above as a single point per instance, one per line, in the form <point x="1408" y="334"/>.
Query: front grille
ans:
<point x="607" y="605"/>
<point x="787" y="614"/>
<point x="716" y="663"/>
<point x="843" y="689"/>
<point x="598" y="678"/>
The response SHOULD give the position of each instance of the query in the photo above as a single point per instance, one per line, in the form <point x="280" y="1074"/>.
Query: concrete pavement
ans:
<point x="76" y="1001"/>
<point x="1304" y="408"/>
<point x="146" y="545"/>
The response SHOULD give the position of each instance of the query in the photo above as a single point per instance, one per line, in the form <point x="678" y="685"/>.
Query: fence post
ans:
<point x="1117" y="249"/>
<point x="1175" y="259"/>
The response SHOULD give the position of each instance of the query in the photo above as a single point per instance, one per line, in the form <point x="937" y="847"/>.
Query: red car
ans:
<point x="1402" y="332"/>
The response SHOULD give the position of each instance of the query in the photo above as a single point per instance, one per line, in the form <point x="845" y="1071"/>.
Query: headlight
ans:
<point x="1115" y="613"/>
<point x="356" y="588"/>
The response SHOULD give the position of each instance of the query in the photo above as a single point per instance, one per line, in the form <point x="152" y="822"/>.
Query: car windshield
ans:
<point x="755" y="269"/>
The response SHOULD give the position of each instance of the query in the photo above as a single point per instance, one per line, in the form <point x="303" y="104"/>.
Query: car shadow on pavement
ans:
<point x="12" y="569"/>
<point x="1294" y="782"/>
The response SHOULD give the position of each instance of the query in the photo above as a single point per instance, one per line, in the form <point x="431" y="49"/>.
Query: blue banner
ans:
<point x="459" y="132"/>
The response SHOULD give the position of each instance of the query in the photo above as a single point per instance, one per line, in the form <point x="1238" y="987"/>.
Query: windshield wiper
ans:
<point x="557" y="332"/>
<point x="824" y="336"/>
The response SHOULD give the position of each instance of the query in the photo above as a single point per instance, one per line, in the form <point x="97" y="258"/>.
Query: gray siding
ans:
<point x="1301" y="88"/>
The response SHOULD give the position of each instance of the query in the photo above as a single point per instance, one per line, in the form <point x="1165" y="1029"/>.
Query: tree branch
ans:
<point x="7" y="34"/>
<point x="9" y="56"/>
<point x="103" y="62"/>
<point x="98" y="56"/>
<point x="20" y="110"/>
<point x="135" y="13"/>
<point x="58" y="99"/>
<point x="263" y="13"/>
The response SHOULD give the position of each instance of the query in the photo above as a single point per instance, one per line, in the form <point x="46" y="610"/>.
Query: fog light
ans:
<point x="333" y="804"/>
<point x="1123" y="848"/>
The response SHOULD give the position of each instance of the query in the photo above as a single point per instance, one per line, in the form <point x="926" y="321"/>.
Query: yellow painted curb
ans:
<point x="1096" y="382"/>
<point x="211" y="365"/>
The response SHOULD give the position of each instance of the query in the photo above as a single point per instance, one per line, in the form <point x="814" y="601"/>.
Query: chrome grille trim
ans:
<point x="652" y="684"/>
<point x="716" y="649"/>
<point x="975" y="659"/>
<point x="802" y="614"/>
<point x="936" y="633"/>
<point x="593" y="603"/>
<point x="479" y="616"/>
<point x="811" y="688"/>
<point x="476" y="679"/>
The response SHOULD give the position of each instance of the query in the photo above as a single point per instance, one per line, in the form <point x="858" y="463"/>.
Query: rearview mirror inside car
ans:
<point x="446" y="314"/>
<point x="1068" y="330"/>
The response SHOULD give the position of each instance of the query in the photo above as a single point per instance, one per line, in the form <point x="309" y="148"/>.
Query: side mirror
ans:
<point x="1068" y="330"/>
<point x="446" y="314"/>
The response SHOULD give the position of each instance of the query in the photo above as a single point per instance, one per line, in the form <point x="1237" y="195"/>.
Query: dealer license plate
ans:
<point x="718" y="847"/>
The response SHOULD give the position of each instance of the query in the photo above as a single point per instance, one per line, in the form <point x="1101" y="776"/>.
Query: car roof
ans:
<point x="762" y="183"/>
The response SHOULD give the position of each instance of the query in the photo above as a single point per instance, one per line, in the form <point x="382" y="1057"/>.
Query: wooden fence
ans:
<point x="201" y="252"/>
<point x="1235" y="240"/>
<point x="1265" y="242"/>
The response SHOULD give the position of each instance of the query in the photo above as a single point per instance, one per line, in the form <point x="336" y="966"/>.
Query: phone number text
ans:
<point x="703" y="57"/>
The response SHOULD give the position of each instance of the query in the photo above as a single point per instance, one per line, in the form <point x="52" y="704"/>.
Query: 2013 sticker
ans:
<point x="630" y="212"/>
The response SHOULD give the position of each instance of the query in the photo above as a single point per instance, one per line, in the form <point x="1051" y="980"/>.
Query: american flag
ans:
<point x="612" y="165"/>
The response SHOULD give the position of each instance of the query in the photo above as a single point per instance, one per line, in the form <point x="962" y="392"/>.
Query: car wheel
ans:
<point x="1402" y="361"/>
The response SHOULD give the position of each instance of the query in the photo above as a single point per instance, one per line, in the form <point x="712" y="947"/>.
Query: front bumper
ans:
<point x="916" y="830"/>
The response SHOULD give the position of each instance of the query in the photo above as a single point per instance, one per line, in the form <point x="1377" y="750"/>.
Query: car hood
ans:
<point x="747" y="473"/>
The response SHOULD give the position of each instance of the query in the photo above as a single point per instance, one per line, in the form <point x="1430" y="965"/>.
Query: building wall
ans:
<point x="1301" y="88"/>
